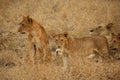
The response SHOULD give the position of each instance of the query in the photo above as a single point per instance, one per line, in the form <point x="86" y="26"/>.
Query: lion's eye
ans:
<point x="22" y="24"/>
<point x="114" y="41"/>
<point x="119" y="37"/>
<point x="61" y="39"/>
<point x="99" y="27"/>
<point x="56" y="40"/>
<point x="91" y="30"/>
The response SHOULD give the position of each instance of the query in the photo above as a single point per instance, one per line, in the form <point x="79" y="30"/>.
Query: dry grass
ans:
<point x="74" y="16"/>
<point x="13" y="66"/>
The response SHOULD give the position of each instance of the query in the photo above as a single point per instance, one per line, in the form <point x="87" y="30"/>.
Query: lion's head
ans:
<point x="103" y="30"/>
<point x="60" y="39"/>
<point x="25" y="25"/>
<point x="97" y="30"/>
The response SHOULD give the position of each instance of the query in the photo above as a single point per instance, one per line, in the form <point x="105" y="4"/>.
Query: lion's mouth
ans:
<point x="22" y="32"/>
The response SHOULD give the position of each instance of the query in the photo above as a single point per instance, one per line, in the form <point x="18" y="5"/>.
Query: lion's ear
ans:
<point x="65" y="34"/>
<point x="113" y="35"/>
<point x="119" y="37"/>
<point x="30" y="20"/>
<point x="99" y="26"/>
<point x="52" y="34"/>
<point x="109" y="25"/>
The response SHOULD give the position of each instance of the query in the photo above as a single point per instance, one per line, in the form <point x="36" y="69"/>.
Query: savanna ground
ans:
<point x="74" y="16"/>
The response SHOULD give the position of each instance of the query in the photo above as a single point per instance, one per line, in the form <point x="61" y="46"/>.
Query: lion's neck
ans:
<point x="69" y="43"/>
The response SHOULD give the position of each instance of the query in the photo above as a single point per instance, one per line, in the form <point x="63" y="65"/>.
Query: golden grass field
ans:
<point x="76" y="17"/>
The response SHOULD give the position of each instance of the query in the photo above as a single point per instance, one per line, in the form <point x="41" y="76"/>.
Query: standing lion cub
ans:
<point x="90" y="47"/>
<point x="38" y="39"/>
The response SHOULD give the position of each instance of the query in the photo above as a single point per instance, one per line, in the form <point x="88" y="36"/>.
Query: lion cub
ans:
<point x="38" y="39"/>
<point x="90" y="47"/>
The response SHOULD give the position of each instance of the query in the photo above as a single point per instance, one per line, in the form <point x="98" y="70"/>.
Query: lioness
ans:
<point x="112" y="36"/>
<point x="104" y="31"/>
<point x="87" y="46"/>
<point x="38" y="38"/>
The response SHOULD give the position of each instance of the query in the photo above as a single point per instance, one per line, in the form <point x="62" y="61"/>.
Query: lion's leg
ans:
<point x="47" y="54"/>
<point x="98" y="57"/>
<point x="44" y="52"/>
<point x="64" y="56"/>
<point x="106" y="53"/>
<point x="29" y="56"/>
<point x="65" y="61"/>
<point x="95" y="56"/>
<point x="29" y="59"/>
<point x="38" y="57"/>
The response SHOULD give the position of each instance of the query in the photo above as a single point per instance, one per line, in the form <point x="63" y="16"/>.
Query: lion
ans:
<point x="104" y="31"/>
<point x="89" y="47"/>
<point x="109" y="28"/>
<point x="115" y="46"/>
<point x="38" y="39"/>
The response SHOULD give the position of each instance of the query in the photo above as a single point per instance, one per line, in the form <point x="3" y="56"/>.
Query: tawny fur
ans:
<point x="82" y="47"/>
<point x="104" y="31"/>
<point x="38" y="38"/>
<point x="115" y="46"/>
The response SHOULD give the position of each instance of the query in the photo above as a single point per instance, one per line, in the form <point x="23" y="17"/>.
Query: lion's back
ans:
<point x="83" y="45"/>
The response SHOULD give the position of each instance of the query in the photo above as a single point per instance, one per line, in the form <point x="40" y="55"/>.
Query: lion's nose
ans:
<point x="57" y="52"/>
<point x="114" y="49"/>
<point x="22" y="32"/>
<point x="91" y="30"/>
<point x="58" y="46"/>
